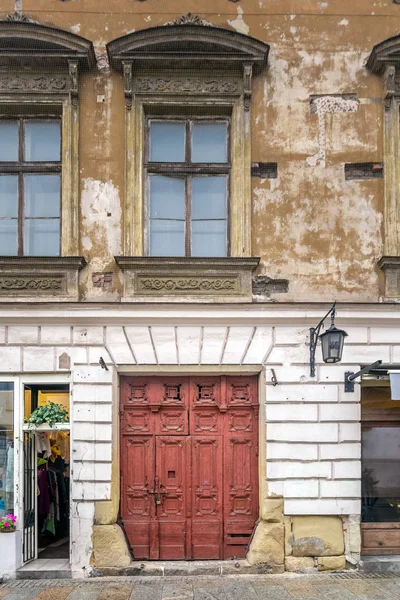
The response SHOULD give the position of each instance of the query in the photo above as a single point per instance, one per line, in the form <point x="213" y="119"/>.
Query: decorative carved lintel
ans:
<point x="247" y="76"/>
<point x="187" y="85"/>
<point x="17" y="83"/>
<point x="128" y="84"/>
<point x="31" y="283"/>
<point x="190" y="19"/>
<point x="18" y="17"/>
<point x="187" y="284"/>
<point x="73" y="74"/>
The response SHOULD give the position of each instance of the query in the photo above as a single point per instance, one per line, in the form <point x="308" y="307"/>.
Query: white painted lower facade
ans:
<point x="312" y="432"/>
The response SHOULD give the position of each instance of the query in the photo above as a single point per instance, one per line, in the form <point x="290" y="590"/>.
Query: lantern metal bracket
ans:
<point x="314" y="335"/>
<point x="349" y="376"/>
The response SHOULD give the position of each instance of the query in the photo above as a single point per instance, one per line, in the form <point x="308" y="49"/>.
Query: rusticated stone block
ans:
<point x="272" y="510"/>
<point x="317" y="536"/>
<point x="109" y="547"/>
<point x="267" y="545"/>
<point x="299" y="564"/>
<point x="331" y="563"/>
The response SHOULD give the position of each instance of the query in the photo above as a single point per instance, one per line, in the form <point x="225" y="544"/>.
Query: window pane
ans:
<point x="8" y="237"/>
<point x="209" y="142"/>
<point x="42" y="237"/>
<point x="381" y="474"/>
<point x="167" y="198"/>
<point x="167" y="238"/>
<point x="6" y="448"/>
<point x="167" y="142"/>
<point x="42" y="140"/>
<point x="42" y="195"/>
<point x="9" y="140"/>
<point x="209" y="238"/>
<point x="209" y="198"/>
<point x="8" y="196"/>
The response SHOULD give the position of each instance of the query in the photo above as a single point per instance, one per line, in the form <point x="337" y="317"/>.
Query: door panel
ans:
<point x="189" y="474"/>
<point x="137" y="503"/>
<point x="171" y="474"/>
<point x="207" y="492"/>
<point x="240" y="464"/>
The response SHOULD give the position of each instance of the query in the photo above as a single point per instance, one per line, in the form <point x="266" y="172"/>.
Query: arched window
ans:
<point x="188" y="89"/>
<point x="39" y="126"/>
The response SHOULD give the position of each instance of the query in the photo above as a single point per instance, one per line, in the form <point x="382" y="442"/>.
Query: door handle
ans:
<point x="157" y="492"/>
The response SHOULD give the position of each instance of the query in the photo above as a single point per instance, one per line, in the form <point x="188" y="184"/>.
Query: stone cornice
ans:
<point x="30" y="44"/>
<point x="389" y="262"/>
<point x="112" y="313"/>
<point x="177" y="263"/>
<point x="172" y="45"/>
<point x="46" y="263"/>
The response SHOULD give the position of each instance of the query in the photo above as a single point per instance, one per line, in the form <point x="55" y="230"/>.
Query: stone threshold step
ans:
<point x="186" y="568"/>
<point x="42" y="574"/>
<point x="389" y="564"/>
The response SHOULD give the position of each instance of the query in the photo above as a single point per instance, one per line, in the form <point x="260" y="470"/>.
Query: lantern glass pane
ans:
<point x="332" y="345"/>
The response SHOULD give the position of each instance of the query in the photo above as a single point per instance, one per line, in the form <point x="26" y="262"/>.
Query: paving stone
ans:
<point x="54" y="593"/>
<point x="209" y="594"/>
<point x="271" y="592"/>
<point x="302" y="590"/>
<point x="335" y="592"/>
<point x="22" y="594"/>
<point x="146" y="592"/>
<point x="238" y="590"/>
<point x="360" y="587"/>
<point x="85" y="592"/>
<point x="179" y="590"/>
<point x="115" y="592"/>
<point x="388" y="588"/>
<point x="4" y="592"/>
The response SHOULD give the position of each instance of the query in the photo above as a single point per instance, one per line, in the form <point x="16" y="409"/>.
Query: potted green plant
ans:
<point x="49" y="414"/>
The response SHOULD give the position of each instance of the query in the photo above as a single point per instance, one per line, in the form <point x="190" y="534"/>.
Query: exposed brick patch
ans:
<point x="102" y="280"/>
<point x="372" y="170"/>
<point x="263" y="286"/>
<point x="264" y="170"/>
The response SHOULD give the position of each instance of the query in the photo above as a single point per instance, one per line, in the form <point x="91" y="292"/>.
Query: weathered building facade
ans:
<point x="184" y="192"/>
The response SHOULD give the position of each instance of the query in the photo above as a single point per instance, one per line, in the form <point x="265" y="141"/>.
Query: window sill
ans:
<point x="39" y="278"/>
<point x="46" y="427"/>
<point x="155" y="279"/>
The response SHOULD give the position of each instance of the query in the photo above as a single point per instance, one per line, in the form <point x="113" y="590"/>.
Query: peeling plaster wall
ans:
<point x="310" y="226"/>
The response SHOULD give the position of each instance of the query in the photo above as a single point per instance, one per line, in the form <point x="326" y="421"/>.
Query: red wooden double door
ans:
<point x="189" y="466"/>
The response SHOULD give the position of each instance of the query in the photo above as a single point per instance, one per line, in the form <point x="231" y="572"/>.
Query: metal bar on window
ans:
<point x="30" y="167"/>
<point x="188" y="214"/>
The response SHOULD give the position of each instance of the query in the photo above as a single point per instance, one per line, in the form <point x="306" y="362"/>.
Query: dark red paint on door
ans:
<point x="189" y="466"/>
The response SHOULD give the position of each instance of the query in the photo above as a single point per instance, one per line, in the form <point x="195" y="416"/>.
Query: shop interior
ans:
<point x="380" y="460"/>
<point x="52" y="477"/>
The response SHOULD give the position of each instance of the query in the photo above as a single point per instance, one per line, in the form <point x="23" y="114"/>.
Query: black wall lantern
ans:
<point x="332" y="341"/>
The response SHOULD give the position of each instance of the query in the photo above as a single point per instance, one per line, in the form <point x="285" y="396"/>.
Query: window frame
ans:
<point x="20" y="168"/>
<point x="186" y="170"/>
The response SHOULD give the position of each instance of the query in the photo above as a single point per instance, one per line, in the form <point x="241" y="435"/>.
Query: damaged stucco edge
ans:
<point x="267" y="544"/>
<point x="110" y="546"/>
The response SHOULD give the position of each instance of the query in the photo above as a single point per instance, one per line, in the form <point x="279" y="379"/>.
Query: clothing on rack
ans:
<point x="53" y="500"/>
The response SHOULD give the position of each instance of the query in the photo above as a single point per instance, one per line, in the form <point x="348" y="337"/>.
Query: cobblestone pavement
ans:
<point x="230" y="587"/>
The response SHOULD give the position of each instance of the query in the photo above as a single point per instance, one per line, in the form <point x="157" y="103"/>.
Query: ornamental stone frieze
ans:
<point x="18" y="82"/>
<point x="31" y="278"/>
<point x="153" y="279"/>
<point x="187" y="85"/>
